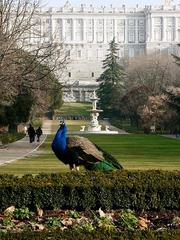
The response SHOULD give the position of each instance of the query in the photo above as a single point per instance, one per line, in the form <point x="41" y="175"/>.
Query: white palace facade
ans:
<point x="86" y="32"/>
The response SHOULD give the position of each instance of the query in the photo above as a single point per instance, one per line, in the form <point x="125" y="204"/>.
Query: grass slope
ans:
<point x="133" y="152"/>
<point x="74" y="109"/>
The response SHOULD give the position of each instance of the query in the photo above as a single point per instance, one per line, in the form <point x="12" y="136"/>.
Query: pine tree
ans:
<point x="111" y="81"/>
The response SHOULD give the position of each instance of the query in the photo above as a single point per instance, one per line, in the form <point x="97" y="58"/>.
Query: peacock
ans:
<point x="78" y="150"/>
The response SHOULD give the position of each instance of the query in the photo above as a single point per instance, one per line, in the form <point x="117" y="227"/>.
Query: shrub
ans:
<point x="116" y="190"/>
<point x="128" y="220"/>
<point x="53" y="222"/>
<point x="22" y="213"/>
<point x="80" y="234"/>
<point x="10" y="137"/>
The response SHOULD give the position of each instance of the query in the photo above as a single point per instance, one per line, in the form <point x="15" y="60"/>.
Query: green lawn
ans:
<point x="133" y="152"/>
<point x="136" y="151"/>
<point x="74" y="109"/>
<point x="72" y="125"/>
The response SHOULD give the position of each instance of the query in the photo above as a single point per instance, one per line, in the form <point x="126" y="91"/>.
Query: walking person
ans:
<point x="38" y="133"/>
<point x="31" y="133"/>
<point x="177" y="132"/>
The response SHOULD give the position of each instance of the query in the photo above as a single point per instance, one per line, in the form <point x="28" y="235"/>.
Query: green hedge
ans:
<point x="121" y="189"/>
<point x="10" y="137"/>
<point x="71" y="235"/>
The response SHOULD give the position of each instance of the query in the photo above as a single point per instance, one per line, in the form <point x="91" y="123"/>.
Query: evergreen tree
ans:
<point x="18" y="112"/>
<point x="111" y="81"/>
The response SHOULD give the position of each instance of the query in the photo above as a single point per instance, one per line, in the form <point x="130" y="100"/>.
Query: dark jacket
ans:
<point x="31" y="131"/>
<point x="39" y="131"/>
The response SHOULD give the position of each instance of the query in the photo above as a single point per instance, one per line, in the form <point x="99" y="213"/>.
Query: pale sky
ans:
<point x="59" y="3"/>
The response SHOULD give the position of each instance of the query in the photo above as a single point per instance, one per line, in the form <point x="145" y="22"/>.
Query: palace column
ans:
<point x="176" y="29"/>
<point x="80" y="95"/>
<point x="63" y="29"/>
<point x="152" y="29"/>
<point x="149" y="28"/>
<point x="126" y="30"/>
<point x="94" y="30"/>
<point x="73" y="30"/>
<point x="164" y="37"/>
<point x="115" y="29"/>
<point x="53" y="27"/>
<point x="104" y="31"/>
<point x="136" y="31"/>
<point x="84" y="30"/>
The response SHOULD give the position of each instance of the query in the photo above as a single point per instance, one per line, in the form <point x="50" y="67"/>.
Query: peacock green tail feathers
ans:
<point x="100" y="166"/>
<point x="110" y="159"/>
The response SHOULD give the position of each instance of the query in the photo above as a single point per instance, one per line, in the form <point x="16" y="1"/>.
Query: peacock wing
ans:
<point x="84" y="149"/>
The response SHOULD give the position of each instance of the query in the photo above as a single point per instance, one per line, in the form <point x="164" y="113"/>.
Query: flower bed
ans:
<point x="98" y="206"/>
<point x="64" y="222"/>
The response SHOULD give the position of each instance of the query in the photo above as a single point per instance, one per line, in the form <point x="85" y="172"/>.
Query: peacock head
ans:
<point x="62" y="126"/>
<point x="62" y="123"/>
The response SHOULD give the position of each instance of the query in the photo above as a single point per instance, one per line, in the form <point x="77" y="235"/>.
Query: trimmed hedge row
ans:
<point x="121" y="189"/>
<point x="71" y="235"/>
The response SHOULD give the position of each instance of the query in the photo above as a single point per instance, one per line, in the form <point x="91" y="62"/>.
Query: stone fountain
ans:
<point x="94" y="126"/>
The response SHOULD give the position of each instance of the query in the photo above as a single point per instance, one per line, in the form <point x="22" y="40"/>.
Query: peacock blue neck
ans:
<point x="59" y="141"/>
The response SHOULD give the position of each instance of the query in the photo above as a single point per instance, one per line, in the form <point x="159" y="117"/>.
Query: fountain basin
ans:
<point x="95" y="110"/>
<point x="94" y="128"/>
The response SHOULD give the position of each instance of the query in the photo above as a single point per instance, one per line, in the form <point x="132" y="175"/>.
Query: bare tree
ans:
<point x="146" y="78"/>
<point x="157" y="113"/>
<point x="153" y="71"/>
<point x="25" y="48"/>
<point x="130" y="103"/>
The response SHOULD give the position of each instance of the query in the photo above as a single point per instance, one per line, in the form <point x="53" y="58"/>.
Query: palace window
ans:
<point x="170" y="34"/>
<point x="89" y="54"/>
<point x="170" y="21"/>
<point x="68" y="53"/>
<point x="79" y="21"/>
<point x="59" y="21"/>
<point x="157" y="21"/>
<point x="157" y="34"/>
<point x="131" y="52"/>
<point x="120" y="22"/>
<point x="131" y="35"/>
<point x="131" y="22"/>
<point x="79" y="36"/>
<point x="120" y="35"/>
<point x="79" y="53"/>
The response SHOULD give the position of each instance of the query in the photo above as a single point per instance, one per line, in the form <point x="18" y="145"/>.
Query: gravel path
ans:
<point x="22" y="148"/>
